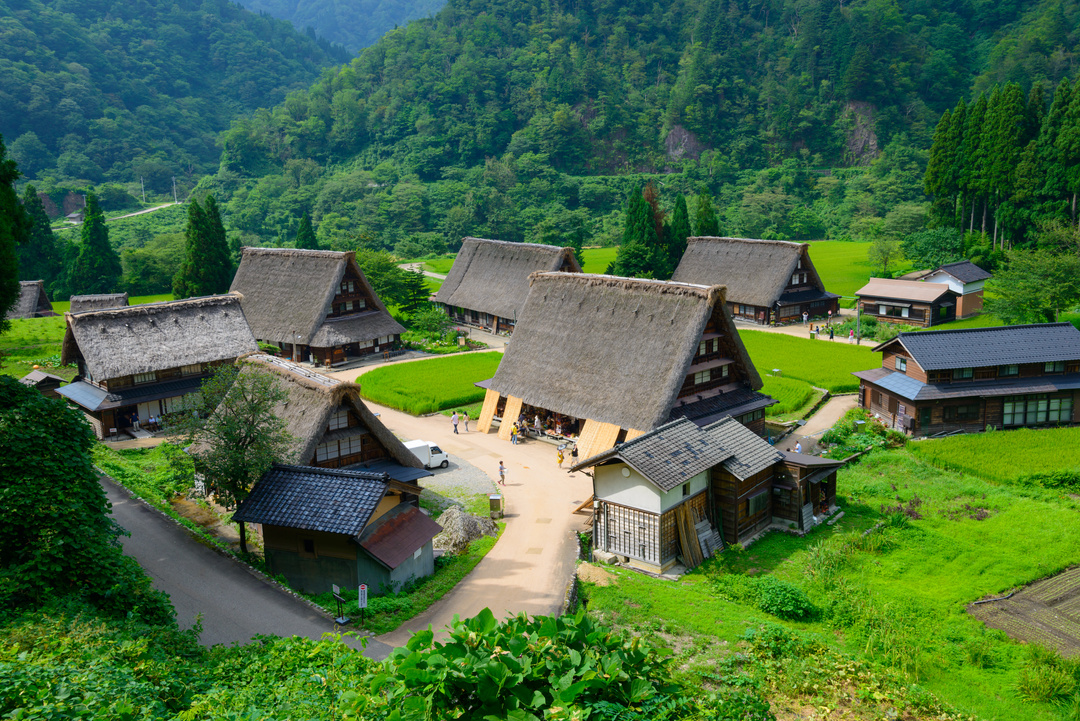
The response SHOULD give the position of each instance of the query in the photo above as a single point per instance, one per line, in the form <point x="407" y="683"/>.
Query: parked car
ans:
<point x="429" y="454"/>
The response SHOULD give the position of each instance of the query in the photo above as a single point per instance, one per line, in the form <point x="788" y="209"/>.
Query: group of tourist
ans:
<point x="153" y="423"/>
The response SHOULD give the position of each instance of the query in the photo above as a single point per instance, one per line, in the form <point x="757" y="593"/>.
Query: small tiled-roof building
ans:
<point x="767" y="281"/>
<point x="489" y="280"/>
<point x="44" y="383"/>
<point x="323" y="527"/>
<point x="33" y="301"/>
<point x="683" y="486"/>
<point x="967" y="280"/>
<point x="969" y="380"/>
<point x="908" y="302"/>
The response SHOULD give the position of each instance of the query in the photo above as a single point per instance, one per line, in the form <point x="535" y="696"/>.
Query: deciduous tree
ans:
<point x="1034" y="286"/>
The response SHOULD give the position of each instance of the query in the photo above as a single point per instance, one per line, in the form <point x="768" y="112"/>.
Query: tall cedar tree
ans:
<point x="678" y="231"/>
<point x="206" y="269"/>
<point x="416" y="292"/>
<point x="305" y="234"/>
<point x="38" y="256"/>
<point x="705" y="221"/>
<point x="635" y="256"/>
<point x="657" y="241"/>
<point x="13" y="231"/>
<point x="97" y="267"/>
<point x="221" y="254"/>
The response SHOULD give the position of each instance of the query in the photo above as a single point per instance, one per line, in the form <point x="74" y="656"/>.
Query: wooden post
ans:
<point x="243" y="537"/>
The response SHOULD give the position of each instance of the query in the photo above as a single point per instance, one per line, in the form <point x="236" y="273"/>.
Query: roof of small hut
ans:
<point x="101" y="301"/>
<point x="288" y="292"/>
<point x="615" y="350"/>
<point x="756" y="272"/>
<point x="32" y="300"/>
<point x="312" y="399"/>
<point x="156" y="336"/>
<point x="492" y="276"/>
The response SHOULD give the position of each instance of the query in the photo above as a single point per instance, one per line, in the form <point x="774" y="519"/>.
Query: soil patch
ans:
<point x="594" y="574"/>
<point x="1046" y="612"/>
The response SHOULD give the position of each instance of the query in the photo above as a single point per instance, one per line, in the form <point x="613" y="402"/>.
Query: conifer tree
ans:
<point x="13" y="231"/>
<point x="938" y="169"/>
<point x="1068" y="147"/>
<point x="678" y="231"/>
<point x="38" y="256"/>
<point x="1054" y="181"/>
<point x="416" y="292"/>
<point x="705" y="220"/>
<point x="972" y="157"/>
<point x="97" y="267"/>
<point x="635" y="257"/>
<point x="200" y="273"/>
<point x="305" y="235"/>
<point x="220" y="253"/>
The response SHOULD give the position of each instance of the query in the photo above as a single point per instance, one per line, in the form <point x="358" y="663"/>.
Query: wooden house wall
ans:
<point x="334" y="560"/>
<point x="914" y="370"/>
<point x="731" y="502"/>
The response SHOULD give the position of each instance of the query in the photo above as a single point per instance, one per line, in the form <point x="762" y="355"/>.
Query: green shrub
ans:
<point x="769" y="593"/>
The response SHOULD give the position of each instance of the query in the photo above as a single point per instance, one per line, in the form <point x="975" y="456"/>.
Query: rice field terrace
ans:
<point x="1044" y="456"/>
<point x="820" y="363"/>
<point x="430" y="385"/>
<point x="792" y="395"/>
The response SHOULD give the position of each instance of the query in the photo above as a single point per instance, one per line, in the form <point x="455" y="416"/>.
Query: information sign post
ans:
<point x="341" y="619"/>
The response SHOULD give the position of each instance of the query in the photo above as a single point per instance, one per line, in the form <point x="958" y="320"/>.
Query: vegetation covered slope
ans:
<point x="108" y="90"/>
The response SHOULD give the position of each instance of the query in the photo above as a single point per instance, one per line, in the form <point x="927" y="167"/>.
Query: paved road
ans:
<point x="235" y="604"/>
<point x="413" y="267"/>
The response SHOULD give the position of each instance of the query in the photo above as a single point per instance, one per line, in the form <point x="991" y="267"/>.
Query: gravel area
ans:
<point x="459" y="484"/>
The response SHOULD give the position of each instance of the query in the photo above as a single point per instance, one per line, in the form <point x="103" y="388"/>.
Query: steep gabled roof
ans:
<point x="615" y="350"/>
<point x="676" y="452"/>
<point x="892" y="289"/>
<point x="156" y="336"/>
<point x="312" y="399"/>
<point x="289" y="292"/>
<point x="980" y="347"/>
<point x="32" y="302"/>
<point x="964" y="271"/>
<point x="100" y="301"/>
<point x="492" y="276"/>
<point x="756" y="272"/>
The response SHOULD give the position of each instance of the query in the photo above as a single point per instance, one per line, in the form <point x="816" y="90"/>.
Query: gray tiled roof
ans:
<point x="911" y="389"/>
<point x="314" y="499"/>
<point x="732" y="403"/>
<point x="677" y="451"/>
<point x="965" y="271"/>
<point x="976" y="347"/>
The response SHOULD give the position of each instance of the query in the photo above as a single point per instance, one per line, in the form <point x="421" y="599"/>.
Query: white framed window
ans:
<point x="724" y="371"/>
<point x="364" y="344"/>
<point x="794" y="278"/>
<point x="416" y="554"/>
<point x="701" y="377"/>
<point x="340" y="419"/>
<point x="901" y="364"/>
<point x="326" y="451"/>
<point x="351" y="446"/>
<point x="701" y="348"/>
<point x="192" y="370"/>
<point x="146" y="377"/>
<point x="881" y="310"/>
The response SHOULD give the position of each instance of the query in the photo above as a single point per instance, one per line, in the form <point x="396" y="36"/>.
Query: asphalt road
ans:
<point x="235" y="604"/>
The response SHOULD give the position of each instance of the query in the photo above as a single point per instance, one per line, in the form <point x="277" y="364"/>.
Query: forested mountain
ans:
<point x="524" y="120"/>
<point x="354" y="24"/>
<point x="100" y="90"/>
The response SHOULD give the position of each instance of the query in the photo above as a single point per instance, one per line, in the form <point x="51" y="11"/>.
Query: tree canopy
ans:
<point x="13" y="232"/>
<point x="97" y="266"/>
<point x="207" y="266"/>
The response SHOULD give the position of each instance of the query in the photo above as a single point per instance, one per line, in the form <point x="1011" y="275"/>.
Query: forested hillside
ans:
<point x="354" y="24"/>
<point x="528" y="121"/>
<point x="111" y="90"/>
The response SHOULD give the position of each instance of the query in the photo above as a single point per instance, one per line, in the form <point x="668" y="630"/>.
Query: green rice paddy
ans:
<point x="792" y="394"/>
<point x="1006" y="456"/>
<point x="428" y="386"/>
<point x="821" y="363"/>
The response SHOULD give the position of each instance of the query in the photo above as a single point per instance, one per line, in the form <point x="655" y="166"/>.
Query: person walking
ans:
<point x="851" y="336"/>
<point x="465" y="417"/>
<point x="454" y="420"/>
<point x="830" y="332"/>
<point x="502" y="474"/>
<point x="559" y="457"/>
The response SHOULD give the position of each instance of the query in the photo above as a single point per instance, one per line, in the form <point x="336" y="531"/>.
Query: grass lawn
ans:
<point x="440" y="265"/>
<point x="826" y="365"/>
<point x="596" y="260"/>
<point x="893" y="599"/>
<point x="793" y="396"/>
<point x="843" y="267"/>
<point x="1006" y="456"/>
<point x="430" y="385"/>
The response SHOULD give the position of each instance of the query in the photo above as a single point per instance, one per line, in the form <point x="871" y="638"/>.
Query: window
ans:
<point x="722" y="371"/>
<point x="146" y="377"/>
<point x="751" y="417"/>
<point x="925" y="415"/>
<point x="339" y="420"/>
<point x="969" y="412"/>
<point x="901" y="364"/>
<point x="701" y="348"/>
<point x="1036" y="409"/>
<point x="1054" y="367"/>
<point x="351" y="446"/>
<point x="795" y="279"/>
<point x="962" y="374"/>
<point x="1009" y="370"/>
<point x="416" y="554"/>
<point x="347" y="286"/>
<point x="307" y="548"/>
<point x="701" y="377"/>
<point x="893" y="310"/>
<point x="759" y="503"/>
<point x="326" y="451"/>
<point x="191" y="370"/>
<point x="346" y="306"/>
<point x="685" y="489"/>
<point x="894" y="405"/>
<point x="876" y="398"/>
<point x="881" y="310"/>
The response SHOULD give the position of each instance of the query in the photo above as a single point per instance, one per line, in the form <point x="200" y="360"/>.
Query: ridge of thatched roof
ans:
<point x="756" y="272"/>
<point x="155" y="336"/>
<point x="492" y="276"/>
<point x="611" y="349"/>
<point x="32" y="302"/>
<point x="289" y="292"/>
<point x="312" y="399"/>
<point x="98" y="301"/>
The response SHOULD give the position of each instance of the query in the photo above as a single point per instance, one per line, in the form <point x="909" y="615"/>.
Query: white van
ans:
<point x="429" y="454"/>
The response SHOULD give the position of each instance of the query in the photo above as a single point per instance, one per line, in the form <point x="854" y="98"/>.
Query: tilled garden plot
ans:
<point x="1046" y="612"/>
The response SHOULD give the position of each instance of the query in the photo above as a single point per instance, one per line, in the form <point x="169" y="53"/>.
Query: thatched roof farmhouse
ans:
<point x="623" y="356"/>
<point x="101" y="301"/>
<point x="32" y="302"/>
<point x="314" y="304"/>
<point x="142" y="360"/>
<point x="489" y="280"/>
<point x="767" y="280"/>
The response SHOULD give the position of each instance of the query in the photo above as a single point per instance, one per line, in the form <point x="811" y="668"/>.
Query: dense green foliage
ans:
<point x="354" y="24"/>
<point x="430" y="385"/>
<point x="207" y="268"/>
<point x="113" y="90"/>
<point x="97" y="265"/>
<point x="14" y="231"/>
<point x="1034" y="286"/>
<point x="305" y="234"/>
<point x="38" y="255"/>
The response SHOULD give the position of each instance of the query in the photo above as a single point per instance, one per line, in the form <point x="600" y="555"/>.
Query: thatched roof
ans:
<point x="32" y="302"/>
<point x="312" y="399"/>
<point x="156" y="336"/>
<point x="754" y="271"/>
<point x="80" y="303"/>
<point x="492" y="276"/>
<point x="289" y="292"/>
<point x="615" y="350"/>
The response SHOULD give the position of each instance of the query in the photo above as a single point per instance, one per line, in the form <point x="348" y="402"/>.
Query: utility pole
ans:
<point x="174" y="189"/>
<point x="142" y="182"/>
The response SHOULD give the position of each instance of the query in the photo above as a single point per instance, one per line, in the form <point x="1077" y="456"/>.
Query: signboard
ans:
<point x="361" y="600"/>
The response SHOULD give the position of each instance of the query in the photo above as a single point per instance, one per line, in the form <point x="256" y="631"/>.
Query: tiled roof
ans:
<point x="395" y="536"/>
<point x="911" y="389"/>
<point x="805" y="296"/>
<point x="806" y="460"/>
<point x="965" y="271"/>
<point x="733" y="403"/>
<point x="677" y="451"/>
<point x="36" y="378"/>
<point x="314" y="499"/>
<point x="888" y="288"/>
<point x="977" y="347"/>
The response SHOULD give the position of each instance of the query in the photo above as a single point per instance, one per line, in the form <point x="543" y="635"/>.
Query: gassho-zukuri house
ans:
<point x="144" y="360"/>
<point x="488" y="283"/>
<point x="33" y="302"/>
<point x="315" y="305"/>
<point x="969" y="380"/>
<point x="98" y="301"/>
<point x="685" y="491"/>
<point x="768" y="281"/>
<point x="323" y="526"/>
<point x="609" y="359"/>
